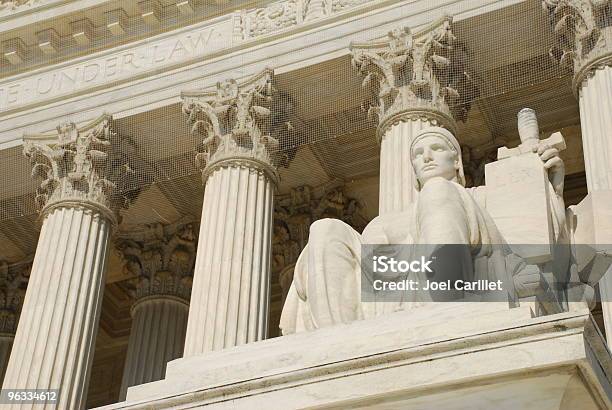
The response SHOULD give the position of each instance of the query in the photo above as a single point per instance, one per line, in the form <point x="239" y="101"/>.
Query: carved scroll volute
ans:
<point x="75" y="167"/>
<point x="583" y="29"/>
<point x="235" y="123"/>
<point x="414" y="74"/>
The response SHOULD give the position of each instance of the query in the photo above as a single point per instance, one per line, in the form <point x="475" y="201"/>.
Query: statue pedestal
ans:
<point x="452" y="356"/>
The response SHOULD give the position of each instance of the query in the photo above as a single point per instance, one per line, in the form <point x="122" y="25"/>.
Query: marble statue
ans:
<point x="326" y="288"/>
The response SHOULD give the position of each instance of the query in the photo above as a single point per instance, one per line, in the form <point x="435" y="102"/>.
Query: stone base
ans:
<point x="447" y="356"/>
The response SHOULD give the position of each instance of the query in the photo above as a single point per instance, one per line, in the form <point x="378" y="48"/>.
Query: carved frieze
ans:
<point x="9" y="6"/>
<point x="160" y="258"/>
<point x="236" y="123"/>
<point x="418" y="74"/>
<point x="13" y="283"/>
<point x="584" y="34"/>
<point x="284" y="14"/>
<point x="74" y="166"/>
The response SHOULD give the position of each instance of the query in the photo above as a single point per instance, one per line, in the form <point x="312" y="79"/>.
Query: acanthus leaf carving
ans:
<point x="415" y="72"/>
<point x="160" y="258"/>
<point x="73" y="163"/>
<point x="235" y="121"/>
<point x="583" y="29"/>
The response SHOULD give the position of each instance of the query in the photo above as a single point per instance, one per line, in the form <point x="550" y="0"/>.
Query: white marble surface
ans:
<point x="397" y="189"/>
<point x="157" y="336"/>
<point x="472" y="355"/>
<point x="231" y="283"/>
<point x="595" y="98"/>
<point x="55" y="339"/>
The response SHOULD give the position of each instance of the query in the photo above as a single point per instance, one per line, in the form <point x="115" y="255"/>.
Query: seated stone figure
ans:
<point x="326" y="288"/>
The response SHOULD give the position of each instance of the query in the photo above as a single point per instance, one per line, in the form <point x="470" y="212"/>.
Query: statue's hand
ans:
<point x="554" y="164"/>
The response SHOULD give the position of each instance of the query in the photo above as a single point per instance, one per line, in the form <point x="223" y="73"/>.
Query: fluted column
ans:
<point x="54" y="343"/>
<point x="595" y="98"/>
<point x="157" y="337"/>
<point x="231" y="284"/>
<point x="584" y="32"/>
<point x="161" y="257"/>
<point x="13" y="282"/>
<point x="415" y="80"/>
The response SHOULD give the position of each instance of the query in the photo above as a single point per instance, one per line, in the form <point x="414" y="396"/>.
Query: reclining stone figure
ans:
<point x="326" y="288"/>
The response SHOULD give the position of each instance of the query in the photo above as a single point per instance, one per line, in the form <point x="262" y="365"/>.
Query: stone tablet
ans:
<point x="517" y="200"/>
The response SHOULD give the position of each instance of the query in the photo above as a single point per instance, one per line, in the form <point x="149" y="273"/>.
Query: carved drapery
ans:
<point x="293" y="215"/>
<point x="415" y="75"/>
<point x="583" y="30"/>
<point x="584" y="35"/>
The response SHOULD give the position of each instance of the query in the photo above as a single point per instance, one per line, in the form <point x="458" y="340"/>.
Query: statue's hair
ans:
<point x="450" y="140"/>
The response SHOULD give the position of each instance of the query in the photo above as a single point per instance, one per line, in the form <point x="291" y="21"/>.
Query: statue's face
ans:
<point x="432" y="157"/>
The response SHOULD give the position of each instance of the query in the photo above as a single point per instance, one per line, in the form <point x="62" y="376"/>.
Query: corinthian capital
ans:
<point x="414" y="74"/>
<point x="161" y="259"/>
<point x="73" y="163"/>
<point x="13" y="282"/>
<point x="584" y="34"/>
<point x="236" y="122"/>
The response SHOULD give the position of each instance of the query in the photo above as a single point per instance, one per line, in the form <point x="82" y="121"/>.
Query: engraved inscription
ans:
<point x="115" y="67"/>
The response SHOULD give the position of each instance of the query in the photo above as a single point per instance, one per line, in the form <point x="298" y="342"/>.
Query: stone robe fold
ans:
<point x="326" y="288"/>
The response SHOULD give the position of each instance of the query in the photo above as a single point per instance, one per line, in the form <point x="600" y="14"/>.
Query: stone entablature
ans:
<point x="135" y="74"/>
<point x="167" y="50"/>
<point x="8" y="7"/>
<point x="35" y="32"/>
<point x="284" y="14"/>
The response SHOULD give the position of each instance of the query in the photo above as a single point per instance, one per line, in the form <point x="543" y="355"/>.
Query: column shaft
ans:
<point x="596" y="126"/>
<point x="231" y="286"/>
<point x="397" y="179"/>
<point x="157" y="336"/>
<point x="54" y="343"/>
<point x="595" y="97"/>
